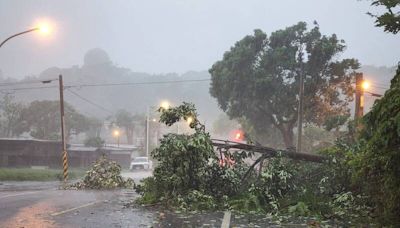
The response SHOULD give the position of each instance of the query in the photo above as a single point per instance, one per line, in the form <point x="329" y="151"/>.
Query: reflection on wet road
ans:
<point x="42" y="204"/>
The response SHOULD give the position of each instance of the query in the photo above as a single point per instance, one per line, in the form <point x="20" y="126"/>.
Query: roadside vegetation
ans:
<point x="190" y="177"/>
<point x="28" y="174"/>
<point x="349" y="188"/>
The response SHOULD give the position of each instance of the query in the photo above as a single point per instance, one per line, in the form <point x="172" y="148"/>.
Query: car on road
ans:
<point x="141" y="163"/>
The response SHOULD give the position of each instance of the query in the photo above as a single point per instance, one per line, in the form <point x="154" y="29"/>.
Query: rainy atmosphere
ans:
<point x="199" y="113"/>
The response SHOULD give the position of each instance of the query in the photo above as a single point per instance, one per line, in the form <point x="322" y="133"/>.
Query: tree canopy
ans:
<point x="43" y="120"/>
<point x="11" y="123"/>
<point x="258" y="78"/>
<point x="128" y="122"/>
<point x="390" y="20"/>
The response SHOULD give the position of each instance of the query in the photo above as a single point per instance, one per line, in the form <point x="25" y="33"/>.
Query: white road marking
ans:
<point x="226" y="220"/>
<point x="75" y="208"/>
<point x="19" y="194"/>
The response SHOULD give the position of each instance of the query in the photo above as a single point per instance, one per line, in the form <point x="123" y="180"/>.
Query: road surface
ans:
<point x="42" y="204"/>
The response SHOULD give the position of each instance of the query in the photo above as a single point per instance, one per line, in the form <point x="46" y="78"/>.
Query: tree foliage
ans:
<point x="43" y="120"/>
<point x="103" y="174"/>
<point x="390" y="20"/>
<point x="11" y="118"/>
<point x="125" y="119"/>
<point x="258" y="78"/>
<point x="377" y="162"/>
<point x="94" y="142"/>
<point x="182" y="158"/>
<point x="190" y="177"/>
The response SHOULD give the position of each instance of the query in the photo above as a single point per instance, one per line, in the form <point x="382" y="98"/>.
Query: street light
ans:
<point x="164" y="105"/>
<point x="362" y="87"/>
<point x="116" y="134"/>
<point x="42" y="28"/>
<point x="365" y="85"/>
<point x="189" y="120"/>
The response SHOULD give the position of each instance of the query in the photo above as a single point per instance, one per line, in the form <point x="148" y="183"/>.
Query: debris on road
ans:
<point x="104" y="174"/>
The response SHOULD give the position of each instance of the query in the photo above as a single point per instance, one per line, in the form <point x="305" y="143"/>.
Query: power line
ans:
<point x="91" y="102"/>
<point x="106" y="84"/>
<point x="379" y="87"/>
<point x="27" y="82"/>
<point x="373" y="94"/>
<point x="28" y="88"/>
<point x="139" y="83"/>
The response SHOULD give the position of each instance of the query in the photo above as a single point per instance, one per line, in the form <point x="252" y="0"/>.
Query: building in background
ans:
<point x="47" y="153"/>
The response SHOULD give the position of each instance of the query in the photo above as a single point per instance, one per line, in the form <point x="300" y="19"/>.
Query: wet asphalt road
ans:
<point x="42" y="204"/>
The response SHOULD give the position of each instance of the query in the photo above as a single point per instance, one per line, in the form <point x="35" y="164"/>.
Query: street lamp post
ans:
<point x="116" y="134"/>
<point x="43" y="29"/>
<point x="165" y="105"/>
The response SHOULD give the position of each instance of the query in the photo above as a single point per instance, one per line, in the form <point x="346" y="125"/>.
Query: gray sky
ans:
<point x="160" y="36"/>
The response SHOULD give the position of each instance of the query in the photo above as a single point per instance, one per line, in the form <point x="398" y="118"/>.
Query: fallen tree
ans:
<point x="267" y="151"/>
<point x="192" y="176"/>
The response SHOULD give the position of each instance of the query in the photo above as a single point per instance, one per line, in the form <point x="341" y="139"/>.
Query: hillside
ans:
<point x="97" y="68"/>
<point x="103" y="101"/>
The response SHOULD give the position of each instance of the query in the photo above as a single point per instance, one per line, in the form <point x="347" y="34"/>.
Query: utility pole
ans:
<point x="64" y="146"/>
<point x="300" y="108"/>
<point x="359" y="109"/>
<point x="147" y="131"/>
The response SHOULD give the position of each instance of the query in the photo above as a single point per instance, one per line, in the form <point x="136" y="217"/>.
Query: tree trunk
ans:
<point x="287" y="134"/>
<point x="129" y="136"/>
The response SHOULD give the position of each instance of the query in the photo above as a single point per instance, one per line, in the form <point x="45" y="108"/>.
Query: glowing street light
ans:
<point x="43" y="28"/>
<point x="189" y="120"/>
<point x="365" y="85"/>
<point x="116" y="134"/>
<point x="165" y="105"/>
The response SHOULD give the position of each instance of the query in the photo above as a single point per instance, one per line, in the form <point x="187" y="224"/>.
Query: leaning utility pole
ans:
<point x="147" y="131"/>
<point x="64" y="146"/>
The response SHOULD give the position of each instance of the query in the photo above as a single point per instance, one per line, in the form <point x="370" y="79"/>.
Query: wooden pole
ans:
<point x="359" y="101"/>
<point x="300" y="109"/>
<point x="64" y="146"/>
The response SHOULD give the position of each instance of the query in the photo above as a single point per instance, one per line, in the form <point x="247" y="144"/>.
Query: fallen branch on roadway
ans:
<point x="269" y="152"/>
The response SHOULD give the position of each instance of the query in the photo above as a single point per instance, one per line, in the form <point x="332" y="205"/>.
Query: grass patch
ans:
<point x="28" y="174"/>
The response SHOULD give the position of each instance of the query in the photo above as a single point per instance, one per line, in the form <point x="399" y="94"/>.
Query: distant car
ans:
<point x="141" y="163"/>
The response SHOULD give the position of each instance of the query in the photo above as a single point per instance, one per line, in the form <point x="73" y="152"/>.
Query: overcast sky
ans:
<point x="161" y="36"/>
